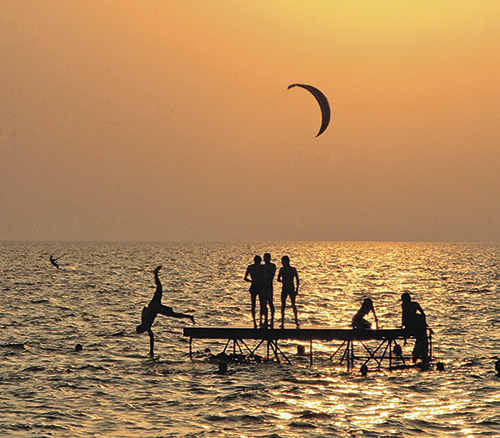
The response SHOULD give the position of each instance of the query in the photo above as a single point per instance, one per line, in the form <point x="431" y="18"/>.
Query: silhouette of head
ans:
<point x="267" y="257"/>
<point x="257" y="259"/>
<point x="285" y="260"/>
<point x="406" y="297"/>
<point x="78" y="347"/>
<point x="367" y="303"/>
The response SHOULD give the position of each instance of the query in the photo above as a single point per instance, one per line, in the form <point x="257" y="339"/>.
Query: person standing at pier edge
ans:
<point x="255" y="275"/>
<point x="286" y="276"/>
<point x="358" y="320"/>
<point x="415" y="322"/>
<point x="154" y="307"/>
<point x="267" y="292"/>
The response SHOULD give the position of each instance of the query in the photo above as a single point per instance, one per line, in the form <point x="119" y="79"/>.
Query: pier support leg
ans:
<point x="430" y="344"/>
<point x="350" y="361"/>
<point x="311" y="352"/>
<point x="390" y="354"/>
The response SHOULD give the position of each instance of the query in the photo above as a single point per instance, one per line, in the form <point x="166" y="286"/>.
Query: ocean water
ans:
<point x="113" y="389"/>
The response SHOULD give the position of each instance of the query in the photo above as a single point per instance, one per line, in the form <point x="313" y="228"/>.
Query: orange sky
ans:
<point x="171" y="120"/>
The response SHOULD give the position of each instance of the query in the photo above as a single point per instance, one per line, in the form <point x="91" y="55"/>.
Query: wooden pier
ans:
<point x="355" y="343"/>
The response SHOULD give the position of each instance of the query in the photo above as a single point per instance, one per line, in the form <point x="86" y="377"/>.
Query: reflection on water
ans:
<point x="111" y="387"/>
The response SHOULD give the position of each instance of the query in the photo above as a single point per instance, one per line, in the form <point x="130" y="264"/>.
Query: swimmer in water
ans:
<point x="155" y="307"/>
<point x="53" y="261"/>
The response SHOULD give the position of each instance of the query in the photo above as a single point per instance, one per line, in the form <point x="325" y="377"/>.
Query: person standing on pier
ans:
<point x="267" y="292"/>
<point x="255" y="275"/>
<point x="154" y="307"/>
<point x="289" y="277"/>
<point x="415" y="322"/>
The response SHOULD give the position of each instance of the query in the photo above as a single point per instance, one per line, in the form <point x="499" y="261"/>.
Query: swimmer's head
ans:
<point x="222" y="368"/>
<point x="364" y="370"/>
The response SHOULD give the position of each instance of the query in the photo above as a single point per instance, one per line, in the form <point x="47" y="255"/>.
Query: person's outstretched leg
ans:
<point x="168" y="311"/>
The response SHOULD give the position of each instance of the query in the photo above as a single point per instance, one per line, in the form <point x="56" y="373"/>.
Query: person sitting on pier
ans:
<point x="154" y="307"/>
<point x="415" y="323"/>
<point x="359" y="321"/>
<point x="286" y="275"/>
<point x="255" y="275"/>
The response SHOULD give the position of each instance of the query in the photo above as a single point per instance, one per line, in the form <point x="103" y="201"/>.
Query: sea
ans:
<point x="112" y="388"/>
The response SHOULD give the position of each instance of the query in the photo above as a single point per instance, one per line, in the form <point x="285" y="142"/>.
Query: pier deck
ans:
<point x="386" y="347"/>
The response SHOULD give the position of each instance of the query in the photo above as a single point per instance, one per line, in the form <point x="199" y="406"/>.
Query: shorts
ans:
<point x="288" y="291"/>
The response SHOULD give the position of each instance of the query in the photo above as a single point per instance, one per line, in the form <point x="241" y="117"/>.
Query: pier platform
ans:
<point x="365" y="346"/>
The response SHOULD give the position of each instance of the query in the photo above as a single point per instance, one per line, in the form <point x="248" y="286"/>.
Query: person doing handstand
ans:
<point x="359" y="321"/>
<point x="154" y="307"/>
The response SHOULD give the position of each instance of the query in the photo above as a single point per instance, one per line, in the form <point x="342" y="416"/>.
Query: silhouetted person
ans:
<point x="154" y="307"/>
<point x="364" y="370"/>
<point x="222" y="368"/>
<point x="255" y="275"/>
<point x="54" y="262"/>
<point x="289" y="277"/>
<point x="267" y="292"/>
<point x="414" y="321"/>
<point x="359" y="321"/>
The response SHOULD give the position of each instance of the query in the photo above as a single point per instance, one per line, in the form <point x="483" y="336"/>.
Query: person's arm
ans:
<point x="296" y="274"/>
<point x="375" y="316"/>
<point x="419" y="308"/>
<point x="280" y="276"/>
<point x="247" y="273"/>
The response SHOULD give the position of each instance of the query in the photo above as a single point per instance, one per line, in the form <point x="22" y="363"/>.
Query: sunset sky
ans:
<point x="171" y="120"/>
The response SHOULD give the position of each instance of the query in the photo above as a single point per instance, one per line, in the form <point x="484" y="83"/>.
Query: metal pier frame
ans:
<point x="354" y="343"/>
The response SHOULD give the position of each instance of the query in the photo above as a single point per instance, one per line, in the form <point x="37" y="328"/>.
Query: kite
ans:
<point x="323" y="104"/>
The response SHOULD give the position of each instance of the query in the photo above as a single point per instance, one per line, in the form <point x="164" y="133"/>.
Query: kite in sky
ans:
<point x="323" y="104"/>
